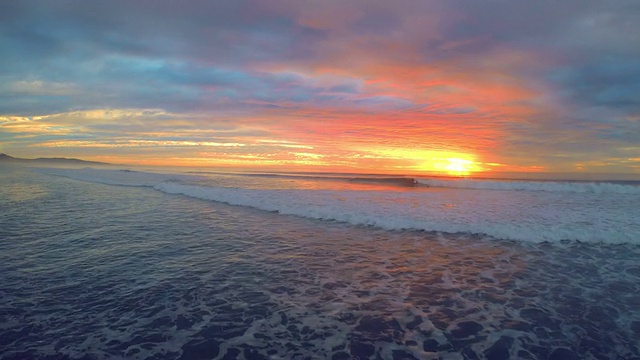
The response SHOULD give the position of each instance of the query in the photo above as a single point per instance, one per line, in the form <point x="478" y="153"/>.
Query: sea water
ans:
<point x="119" y="263"/>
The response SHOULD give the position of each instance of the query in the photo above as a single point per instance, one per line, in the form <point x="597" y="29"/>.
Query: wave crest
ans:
<point x="551" y="186"/>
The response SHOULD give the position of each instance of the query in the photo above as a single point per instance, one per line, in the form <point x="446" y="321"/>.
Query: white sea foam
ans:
<point x="516" y="215"/>
<point x="477" y="212"/>
<point x="551" y="186"/>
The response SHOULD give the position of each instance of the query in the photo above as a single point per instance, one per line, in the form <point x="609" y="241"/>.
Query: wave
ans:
<point x="519" y="185"/>
<point x="425" y="212"/>
<point x="511" y="215"/>
<point x="353" y="178"/>
<point x="124" y="177"/>
<point x="597" y="187"/>
<point x="400" y="181"/>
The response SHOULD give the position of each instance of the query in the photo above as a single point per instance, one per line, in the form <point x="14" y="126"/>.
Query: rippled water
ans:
<point x="99" y="271"/>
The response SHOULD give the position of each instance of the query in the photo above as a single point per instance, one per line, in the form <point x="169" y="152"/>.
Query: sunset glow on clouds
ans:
<point x="369" y="86"/>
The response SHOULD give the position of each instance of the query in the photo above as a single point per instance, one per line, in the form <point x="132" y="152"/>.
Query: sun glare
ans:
<point x="455" y="166"/>
<point x="451" y="163"/>
<point x="459" y="166"/>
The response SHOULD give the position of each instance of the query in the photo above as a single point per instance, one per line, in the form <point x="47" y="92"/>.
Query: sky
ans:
<point x="362" y="86"/>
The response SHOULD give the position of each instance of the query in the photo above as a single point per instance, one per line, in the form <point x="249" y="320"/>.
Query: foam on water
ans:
<point x="516" y="215"/>
<point x="552" y="186"/>
<point x="573" y="186"/>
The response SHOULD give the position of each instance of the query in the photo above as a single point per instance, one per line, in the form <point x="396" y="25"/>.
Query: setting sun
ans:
<point x="454" y="164"/>
<point x="426" y="161"/>
<point x="460" y="166"/>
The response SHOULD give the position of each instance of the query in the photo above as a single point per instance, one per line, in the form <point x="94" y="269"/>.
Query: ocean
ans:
<point x="124" y="263"/>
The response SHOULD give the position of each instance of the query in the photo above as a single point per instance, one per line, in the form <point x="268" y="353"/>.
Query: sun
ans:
<point x="441" y="162"/>
<point x="458" y="166"/>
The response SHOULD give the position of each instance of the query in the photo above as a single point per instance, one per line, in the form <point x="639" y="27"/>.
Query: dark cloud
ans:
<point x="148" y="53"/>
<point x="613" y="82"/>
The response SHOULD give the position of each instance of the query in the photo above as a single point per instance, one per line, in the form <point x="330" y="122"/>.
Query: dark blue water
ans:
<point x="92" y="271"/>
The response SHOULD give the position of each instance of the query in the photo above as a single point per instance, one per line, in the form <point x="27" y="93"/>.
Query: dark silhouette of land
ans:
<point x="4" y="159"/>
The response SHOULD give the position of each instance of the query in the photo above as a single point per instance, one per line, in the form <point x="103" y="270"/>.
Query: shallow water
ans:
<point x="102" y="271"/>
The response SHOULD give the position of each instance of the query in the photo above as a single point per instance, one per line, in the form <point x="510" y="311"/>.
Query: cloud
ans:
<point x="541" y="84"/>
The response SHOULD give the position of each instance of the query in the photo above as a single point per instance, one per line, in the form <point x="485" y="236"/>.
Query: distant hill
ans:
<point x="4" y="158"/>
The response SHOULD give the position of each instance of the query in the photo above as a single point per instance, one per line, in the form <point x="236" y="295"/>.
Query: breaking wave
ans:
<point x="551" y="186"/>
<point x="550" y="215"/>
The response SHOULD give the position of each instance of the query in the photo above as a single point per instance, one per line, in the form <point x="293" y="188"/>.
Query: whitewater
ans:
<point x="534" y="211"/>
